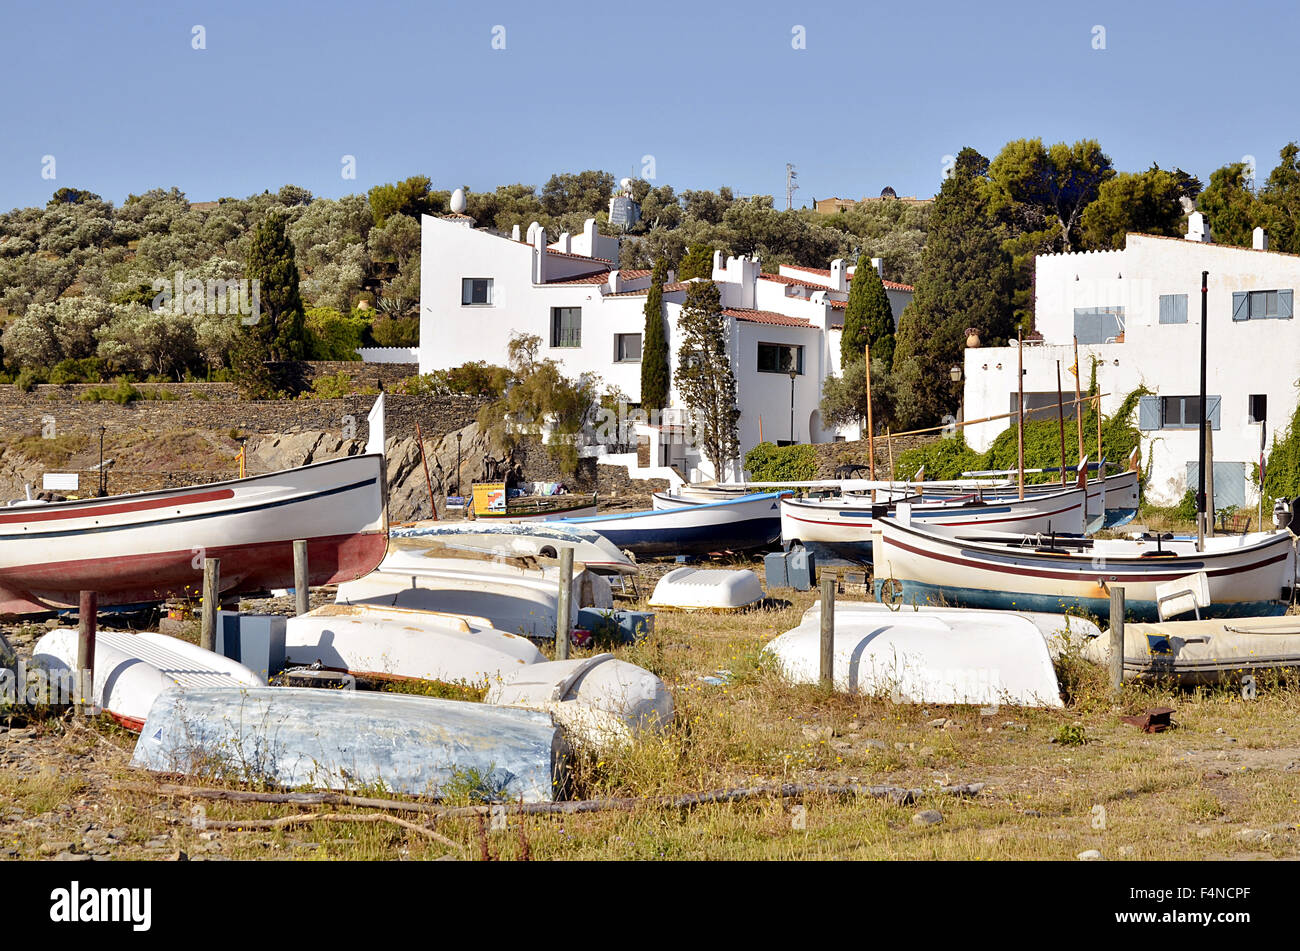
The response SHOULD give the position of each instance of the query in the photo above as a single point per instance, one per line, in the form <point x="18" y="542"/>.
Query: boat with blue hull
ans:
<point x="1115" y="495"/>
<point x="1248" y="575"/>
<point x="742" y="524"/>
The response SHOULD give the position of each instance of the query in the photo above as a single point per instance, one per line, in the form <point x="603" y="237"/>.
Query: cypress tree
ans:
<point x="965" y="283"/>
<point x="654" y="351"/>
<point x="868" y="318"/>
<point x="704" y="375"/>
<point x="281" y="328"/>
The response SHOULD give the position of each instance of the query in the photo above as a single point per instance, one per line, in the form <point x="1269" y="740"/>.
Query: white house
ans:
<point x="479" y="287"/>
<point x="1137" y="312"/>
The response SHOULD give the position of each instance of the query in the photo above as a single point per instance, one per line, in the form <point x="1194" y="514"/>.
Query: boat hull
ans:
<point x="749" y="522"/>
<point x="151" y="546"/>
<point x="1248" y="576"/>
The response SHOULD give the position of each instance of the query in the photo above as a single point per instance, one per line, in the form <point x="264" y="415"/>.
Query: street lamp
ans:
<point x="955" y="374"/>
<point x="793" y="374"/>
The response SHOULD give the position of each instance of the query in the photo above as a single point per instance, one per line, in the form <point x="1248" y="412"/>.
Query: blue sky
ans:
<point x="715" y="92"/>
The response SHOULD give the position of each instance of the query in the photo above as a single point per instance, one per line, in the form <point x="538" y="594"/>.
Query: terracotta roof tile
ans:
<point x="765" y="317"/>
<point x="594" y="277"/>
<point x="795" y="281"/>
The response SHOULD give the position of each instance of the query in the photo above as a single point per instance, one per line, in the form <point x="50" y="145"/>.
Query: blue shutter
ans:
<point x="1149" y="413"/>
<point x="1239" y="305"/>
<point x="1212" y="410"/>
<point x="1284" y="309"/>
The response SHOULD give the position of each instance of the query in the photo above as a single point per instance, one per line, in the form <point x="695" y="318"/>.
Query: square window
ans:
<point x="566" y="326"/>
<point x="627" y="348"/>
<point x="476" y="290"/>
<point x="1258" y="407"/>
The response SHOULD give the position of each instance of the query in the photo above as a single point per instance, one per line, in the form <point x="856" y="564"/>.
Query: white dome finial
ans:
<point x="458" y="201"/>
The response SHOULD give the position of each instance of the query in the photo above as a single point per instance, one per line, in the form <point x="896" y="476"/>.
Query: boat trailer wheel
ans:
<point x="891" y="592"/>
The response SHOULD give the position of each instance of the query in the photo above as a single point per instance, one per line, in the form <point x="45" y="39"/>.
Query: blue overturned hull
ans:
<point x="749" y="522"/>
<point x="918" y="593"/>
<point x="349" y="739"/>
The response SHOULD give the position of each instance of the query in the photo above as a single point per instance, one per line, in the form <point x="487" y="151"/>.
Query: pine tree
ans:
<point x="868" y="319"/>
<point x="965" y="283"/>
<point x="704" y="376"/>
<point x="281" y="330"/>
<point x="655" y="374"/>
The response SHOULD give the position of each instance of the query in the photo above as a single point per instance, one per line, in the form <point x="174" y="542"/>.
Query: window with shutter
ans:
<point x="1173" y="308"/>
<point x="1239" y="303"/>
<point x="1149" y="413"/>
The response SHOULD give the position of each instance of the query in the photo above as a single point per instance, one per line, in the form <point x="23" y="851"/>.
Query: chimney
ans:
<point x="879" y="265"/>
<point x="514" y="233"/>
<point x="839" y="280"/>
<point x="539" y="253"/>
<point x="615" y="281"/>
<point x="589" y="235"/>
<point x="1198" y="229"/>
<point x="717" y="266"/>
<point x="1259" y="240"/>
<point x="565" y="243"/>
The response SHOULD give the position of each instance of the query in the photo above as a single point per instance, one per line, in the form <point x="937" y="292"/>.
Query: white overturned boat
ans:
<point x="601" y="701"/>
<point x="511" y="594"/>
<point x="382" y="642"/>
<point x="750" y="521"/>
<point x="976" y="657"/>
<point x="1205" y="651"/>
<point x="1248" y="575"/>
<point x="707" y="589"/>
<point x="1060" y="631"/>
<point x="353" y="740"/>
<point x="839" y="529"/>
<point x="132" y="670"/>
<point x="533" y="539"/>
<point x="141" y="548"/>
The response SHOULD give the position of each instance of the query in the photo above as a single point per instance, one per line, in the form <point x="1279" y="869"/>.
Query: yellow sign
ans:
<point x="489" y="498"/>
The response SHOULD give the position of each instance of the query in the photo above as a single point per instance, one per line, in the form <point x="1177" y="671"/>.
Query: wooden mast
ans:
<point x="1060" y="418"/>
<point x="1020" y="410"/>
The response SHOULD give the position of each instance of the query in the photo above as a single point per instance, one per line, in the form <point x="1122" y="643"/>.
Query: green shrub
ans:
<point x="396" y="331"/>
<point x="769" y="463"/>
<point x="27" y="379"/>
<point x="331" y="386"/>
<point x="88" y="370"/>
<point x="122" y="392"/>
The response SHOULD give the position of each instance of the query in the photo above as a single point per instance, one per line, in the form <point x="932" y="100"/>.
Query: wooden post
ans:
<point x="433" y="508"/>
<point x="1078" y="397"/>
<point x="889" y="445"/>
<point x="84" y="683"/>
<point x="828" y="632"/>
<point x="1060" y="418"/>
<point x="1209" y="484"/>
<point x="871" y="429"/>
<point x="1116" y="640"/>
<point x="760" y="428"/>
<point x="301" y="590"/>
<point x="1100" y="452"/>
<point x="1020" y="410"/>
<point x="562" y="606"/>
<point x="211" y="585"/>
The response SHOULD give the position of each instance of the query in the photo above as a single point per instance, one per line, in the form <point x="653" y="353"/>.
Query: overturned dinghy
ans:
<point x="348" y="739"/>
<point x="132" y="670"/>
<point x="1061" y="632"/>
<point x="513" y="594"/>
<point x="601" y="701"/>
<point x="707" y="589"/>
<point x="383" y="642"/>
<point x="983" y="658"/>
<point x="1204" y="652"/>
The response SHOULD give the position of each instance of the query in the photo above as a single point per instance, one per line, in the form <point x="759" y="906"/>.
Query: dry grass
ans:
<point x="1230" y="765"/>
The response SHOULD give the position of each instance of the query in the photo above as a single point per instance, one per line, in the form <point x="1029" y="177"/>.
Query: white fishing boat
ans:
<point x="979" y="657"/>
<point x="1249" y="575"/>
<point x="354" y="740"/>
<point x="132" y="670"/>
<point x="839" y="529"/>
<point x="141" y="548"/>
<point x="1204" y="652"/>
<point x="533" y="539"/>
<point x="1114" y="497"/>
<point x="601" y="701"/>
<point x="512" y="594"/>
<point x="748" y="522"/>
<point x="385" y="642"/>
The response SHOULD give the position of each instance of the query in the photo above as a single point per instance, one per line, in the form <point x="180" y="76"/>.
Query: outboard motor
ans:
<point x="1282" y="517"/>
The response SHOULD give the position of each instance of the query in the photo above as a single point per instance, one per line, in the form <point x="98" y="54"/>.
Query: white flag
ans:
<point x="375" y="420"/>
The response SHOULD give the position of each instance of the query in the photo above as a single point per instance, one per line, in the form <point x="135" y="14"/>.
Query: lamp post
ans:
<point x="458" y="462"/>
<point x="793" y="374"/>
<point x="955" y="374"/>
